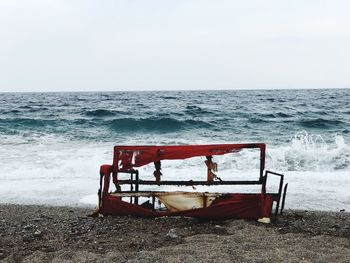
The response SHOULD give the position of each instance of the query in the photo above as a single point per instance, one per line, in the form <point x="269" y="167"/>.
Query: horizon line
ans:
<point x="174" y="90"/>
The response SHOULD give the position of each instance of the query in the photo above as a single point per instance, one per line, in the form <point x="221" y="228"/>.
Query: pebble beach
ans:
<point x="31" y="233"/>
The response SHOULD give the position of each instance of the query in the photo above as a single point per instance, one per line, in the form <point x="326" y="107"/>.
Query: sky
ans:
<point x="113" y="45"/>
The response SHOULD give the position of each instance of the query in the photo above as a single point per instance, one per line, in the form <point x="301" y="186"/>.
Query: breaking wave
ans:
<point x="308" y="152"/>
<point x="304" y="152"/>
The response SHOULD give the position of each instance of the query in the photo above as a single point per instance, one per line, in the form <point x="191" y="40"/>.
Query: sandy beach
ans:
<point x="66" y="234"/>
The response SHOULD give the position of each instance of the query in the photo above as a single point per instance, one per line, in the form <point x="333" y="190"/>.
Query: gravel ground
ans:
<point x="66" y="234"/>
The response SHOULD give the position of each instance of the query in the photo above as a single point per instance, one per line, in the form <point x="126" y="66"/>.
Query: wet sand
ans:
<point x="66" y="234"/>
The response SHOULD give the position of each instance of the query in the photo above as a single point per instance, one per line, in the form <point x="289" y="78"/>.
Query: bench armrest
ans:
<point x="105" y="169"/>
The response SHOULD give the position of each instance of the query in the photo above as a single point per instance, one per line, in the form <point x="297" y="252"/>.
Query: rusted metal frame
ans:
<point x="283" y="198"/>
<point x="137" y="182"/>
<point x="132" y="171"/>
<point x="155" y="193"/>
<point x="103" y="184"/>
<point x="153" y="202"/>
<point x="263" y="184"/>
<point x="137" y="187"/>
<point x="262" y="148"/>
<point x="238" y="147"/>
<point x="279" y="188"/>
<point x="131" y="185"/>
<point x="189" y="183"/>
<point x="99" y="193"/>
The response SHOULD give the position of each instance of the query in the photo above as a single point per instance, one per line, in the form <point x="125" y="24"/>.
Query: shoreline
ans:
<point x="42" y="233"/>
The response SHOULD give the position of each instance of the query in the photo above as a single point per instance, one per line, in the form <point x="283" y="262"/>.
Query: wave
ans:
<point x="304" y="152"/>
<point x="39" y="109"/>
<point x="169" y="97"/>
<point x="11" y="111"/>
<point x="267" y="117"/>
<point x="195" y="110"/>
<point x="159" y="124"/>
<point x="26" y="122"/>
<point x="319" y="123"/>
<point x="25" y="107"/>
<point x="283" y="115"/>
<point x="256" y="120"/>
<point x="308" y="152"/>
<point x="99" y="113"/>
<point x="162" y="125"/>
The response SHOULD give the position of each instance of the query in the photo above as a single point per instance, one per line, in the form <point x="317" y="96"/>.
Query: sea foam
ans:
<point x="58" y="172"/>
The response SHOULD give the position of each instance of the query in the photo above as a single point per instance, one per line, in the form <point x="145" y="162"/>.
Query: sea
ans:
<point x="52" y="144"/>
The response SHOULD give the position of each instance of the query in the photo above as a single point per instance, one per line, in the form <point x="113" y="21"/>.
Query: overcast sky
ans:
<point x="83" y="45"/>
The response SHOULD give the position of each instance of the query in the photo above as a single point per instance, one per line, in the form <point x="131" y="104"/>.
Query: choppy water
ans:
<point x="52" y="136"/>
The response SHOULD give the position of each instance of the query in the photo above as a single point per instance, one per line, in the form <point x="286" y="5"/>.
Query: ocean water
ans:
<point x="52" y="144"/>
